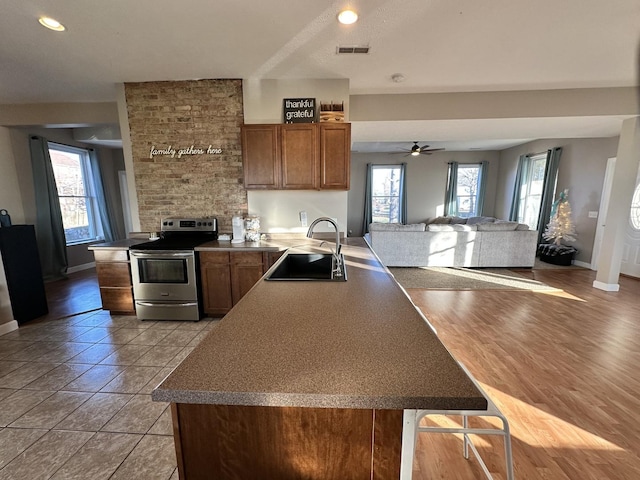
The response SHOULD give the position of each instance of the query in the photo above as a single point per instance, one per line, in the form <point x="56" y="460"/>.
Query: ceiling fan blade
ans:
<point x="430" y="150"/>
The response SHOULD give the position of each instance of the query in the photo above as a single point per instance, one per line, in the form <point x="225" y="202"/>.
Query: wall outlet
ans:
<point x="593" y="214"/>
<point x="303" y="218"/>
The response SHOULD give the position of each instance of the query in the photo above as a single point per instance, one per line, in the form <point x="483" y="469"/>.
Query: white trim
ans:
<point x="79" y="268"/>
<point x="8" y="327"/>
<point x="584" y="264"/>
<point x="607" y="287"/>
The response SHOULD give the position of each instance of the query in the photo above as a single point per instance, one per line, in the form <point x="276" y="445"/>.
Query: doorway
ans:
<point x="630" y="264"/>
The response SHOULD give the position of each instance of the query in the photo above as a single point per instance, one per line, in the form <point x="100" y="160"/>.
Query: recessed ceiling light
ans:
<point x="347" y="17"/>
<point x="51" y="24"/>
<point x="398" y="77"/>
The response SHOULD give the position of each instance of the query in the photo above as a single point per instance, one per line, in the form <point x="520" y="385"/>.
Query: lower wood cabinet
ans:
<point x="215" y="277"/>
<point x="227" y="276"/>
<point x="114" y="279"/>
<point x="236" y="441"/>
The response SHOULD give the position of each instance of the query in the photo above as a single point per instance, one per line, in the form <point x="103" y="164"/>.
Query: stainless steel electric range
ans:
<point x="165" y="271"/>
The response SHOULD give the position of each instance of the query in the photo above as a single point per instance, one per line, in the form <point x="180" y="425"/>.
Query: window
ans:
<point x="468" y="190"/>
<point x="531" y="190"/>
<point x="465" y="189"/>
<point x="386" y="193"/>
<point x="72" y="171"/>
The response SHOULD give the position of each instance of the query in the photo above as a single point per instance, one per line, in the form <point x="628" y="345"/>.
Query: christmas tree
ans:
<point x="561" y="226"/>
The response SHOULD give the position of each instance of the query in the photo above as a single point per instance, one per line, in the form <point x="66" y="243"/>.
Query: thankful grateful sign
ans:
<point x="299" y="110"/>
<point x="172" y="152"/>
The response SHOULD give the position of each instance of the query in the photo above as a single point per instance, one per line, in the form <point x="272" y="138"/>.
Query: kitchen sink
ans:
<point x="308" y="267"/>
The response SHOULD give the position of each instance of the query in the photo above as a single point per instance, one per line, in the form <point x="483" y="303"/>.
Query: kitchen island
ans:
<point x="306" y="379"/>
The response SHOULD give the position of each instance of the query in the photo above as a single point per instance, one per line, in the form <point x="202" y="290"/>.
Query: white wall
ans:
<point x="10" y="200"/>
<point x="279" y="210"/>
<point x="582" y="167"/>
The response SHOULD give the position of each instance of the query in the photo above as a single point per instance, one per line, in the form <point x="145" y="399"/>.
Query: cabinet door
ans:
<point x="299" y="156"/>
<point x="246" y="269"/>
<point x="335" y="155"/>
<point x="261" y="156"/>
<point x="269" y="258"/>
<point x="215" y="275"/>
<point x="113" y="274"/>
<point x="117" y="299"/>
<point x="114" y="279"/>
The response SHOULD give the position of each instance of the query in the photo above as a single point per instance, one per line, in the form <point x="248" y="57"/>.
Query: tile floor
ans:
<point x="75" y="397"/>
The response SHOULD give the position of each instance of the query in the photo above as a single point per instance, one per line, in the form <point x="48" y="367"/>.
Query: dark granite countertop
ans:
<point x="118" y="244"/>
<point x="354" y="344"/>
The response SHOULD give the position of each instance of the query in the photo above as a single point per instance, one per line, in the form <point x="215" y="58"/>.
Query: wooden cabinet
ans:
<point x="114" y="279"/>
<point x="246" y="269"/>
<point x="227" y="276"/>
<point x="324" y="443"/>
<point x="297" y="156"/>
<point x="335" y="156"/>
<point x="261" y="156"/>
<point x="215" y="275"/>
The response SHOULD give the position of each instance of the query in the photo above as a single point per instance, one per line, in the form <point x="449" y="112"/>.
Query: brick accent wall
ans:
<point x="181" y="114"/>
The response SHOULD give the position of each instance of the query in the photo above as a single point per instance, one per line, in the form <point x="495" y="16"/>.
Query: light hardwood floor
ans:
<point x="562" y="366"/>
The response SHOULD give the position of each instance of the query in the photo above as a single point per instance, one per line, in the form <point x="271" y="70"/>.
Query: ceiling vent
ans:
<point x="352" y="49"/>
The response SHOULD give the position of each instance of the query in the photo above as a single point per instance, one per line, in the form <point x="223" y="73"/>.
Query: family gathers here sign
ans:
<point x="172" y="152"/>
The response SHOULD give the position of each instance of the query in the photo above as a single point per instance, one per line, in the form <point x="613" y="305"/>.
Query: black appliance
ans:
<point x="165" y="271"/>
<point x="23" y="272"/>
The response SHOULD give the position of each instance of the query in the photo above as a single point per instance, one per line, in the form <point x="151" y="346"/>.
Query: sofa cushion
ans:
<point x="456" y="227"/>
<point x="397" y="227"/>
<point x="497" y="226"/>
<point x="439" y="220"/>
<point x="476" y="220"/>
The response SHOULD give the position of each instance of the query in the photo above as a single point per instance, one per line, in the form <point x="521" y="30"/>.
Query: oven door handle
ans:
<point x="172" y="305"/>
<point x="161" y="253"/>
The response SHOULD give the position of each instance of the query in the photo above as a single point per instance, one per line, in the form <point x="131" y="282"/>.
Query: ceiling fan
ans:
<point x="418" y="150"/>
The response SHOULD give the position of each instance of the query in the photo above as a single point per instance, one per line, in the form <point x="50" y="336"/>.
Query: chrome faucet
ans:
<point x="336" y="253"/>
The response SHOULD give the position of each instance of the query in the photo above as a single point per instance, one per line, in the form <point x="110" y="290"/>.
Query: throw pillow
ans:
<point x="522" y="226"/>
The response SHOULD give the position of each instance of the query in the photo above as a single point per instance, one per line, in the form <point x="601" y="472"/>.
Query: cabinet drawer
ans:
<point x="111" y="255"/>
<point x="117" y="299"/>
<point x="244" y="258"/>
<point x="113" y="274"/>
<point x="214" y="257"/>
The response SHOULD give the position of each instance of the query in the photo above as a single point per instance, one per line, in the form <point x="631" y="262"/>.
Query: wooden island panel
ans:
<point x="241" y="442"/>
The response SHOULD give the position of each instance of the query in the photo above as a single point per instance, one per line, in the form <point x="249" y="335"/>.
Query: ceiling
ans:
<point x="437" y="45"/>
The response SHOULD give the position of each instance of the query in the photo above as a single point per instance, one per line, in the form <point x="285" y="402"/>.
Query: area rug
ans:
<point x="444" y="278"/>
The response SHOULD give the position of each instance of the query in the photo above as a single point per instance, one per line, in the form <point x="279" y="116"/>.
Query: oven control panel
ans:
<point x="205" y="224"/>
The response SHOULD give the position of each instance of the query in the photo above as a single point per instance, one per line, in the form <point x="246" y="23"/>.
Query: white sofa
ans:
<point x="485" y="242"/>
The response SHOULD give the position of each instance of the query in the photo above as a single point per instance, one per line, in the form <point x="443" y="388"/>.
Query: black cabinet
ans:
<point x="24" y="275"/>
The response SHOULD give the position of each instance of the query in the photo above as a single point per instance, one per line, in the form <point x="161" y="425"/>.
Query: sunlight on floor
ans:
<point x="562" y="294"/>
<point x="546" y="429"/>
<point x="512" y="280"/>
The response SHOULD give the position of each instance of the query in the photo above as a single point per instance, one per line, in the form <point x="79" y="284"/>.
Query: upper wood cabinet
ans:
<point x="297" y="156"/>
<point x="335" y="155"/>
<point x="261" y="156"/>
